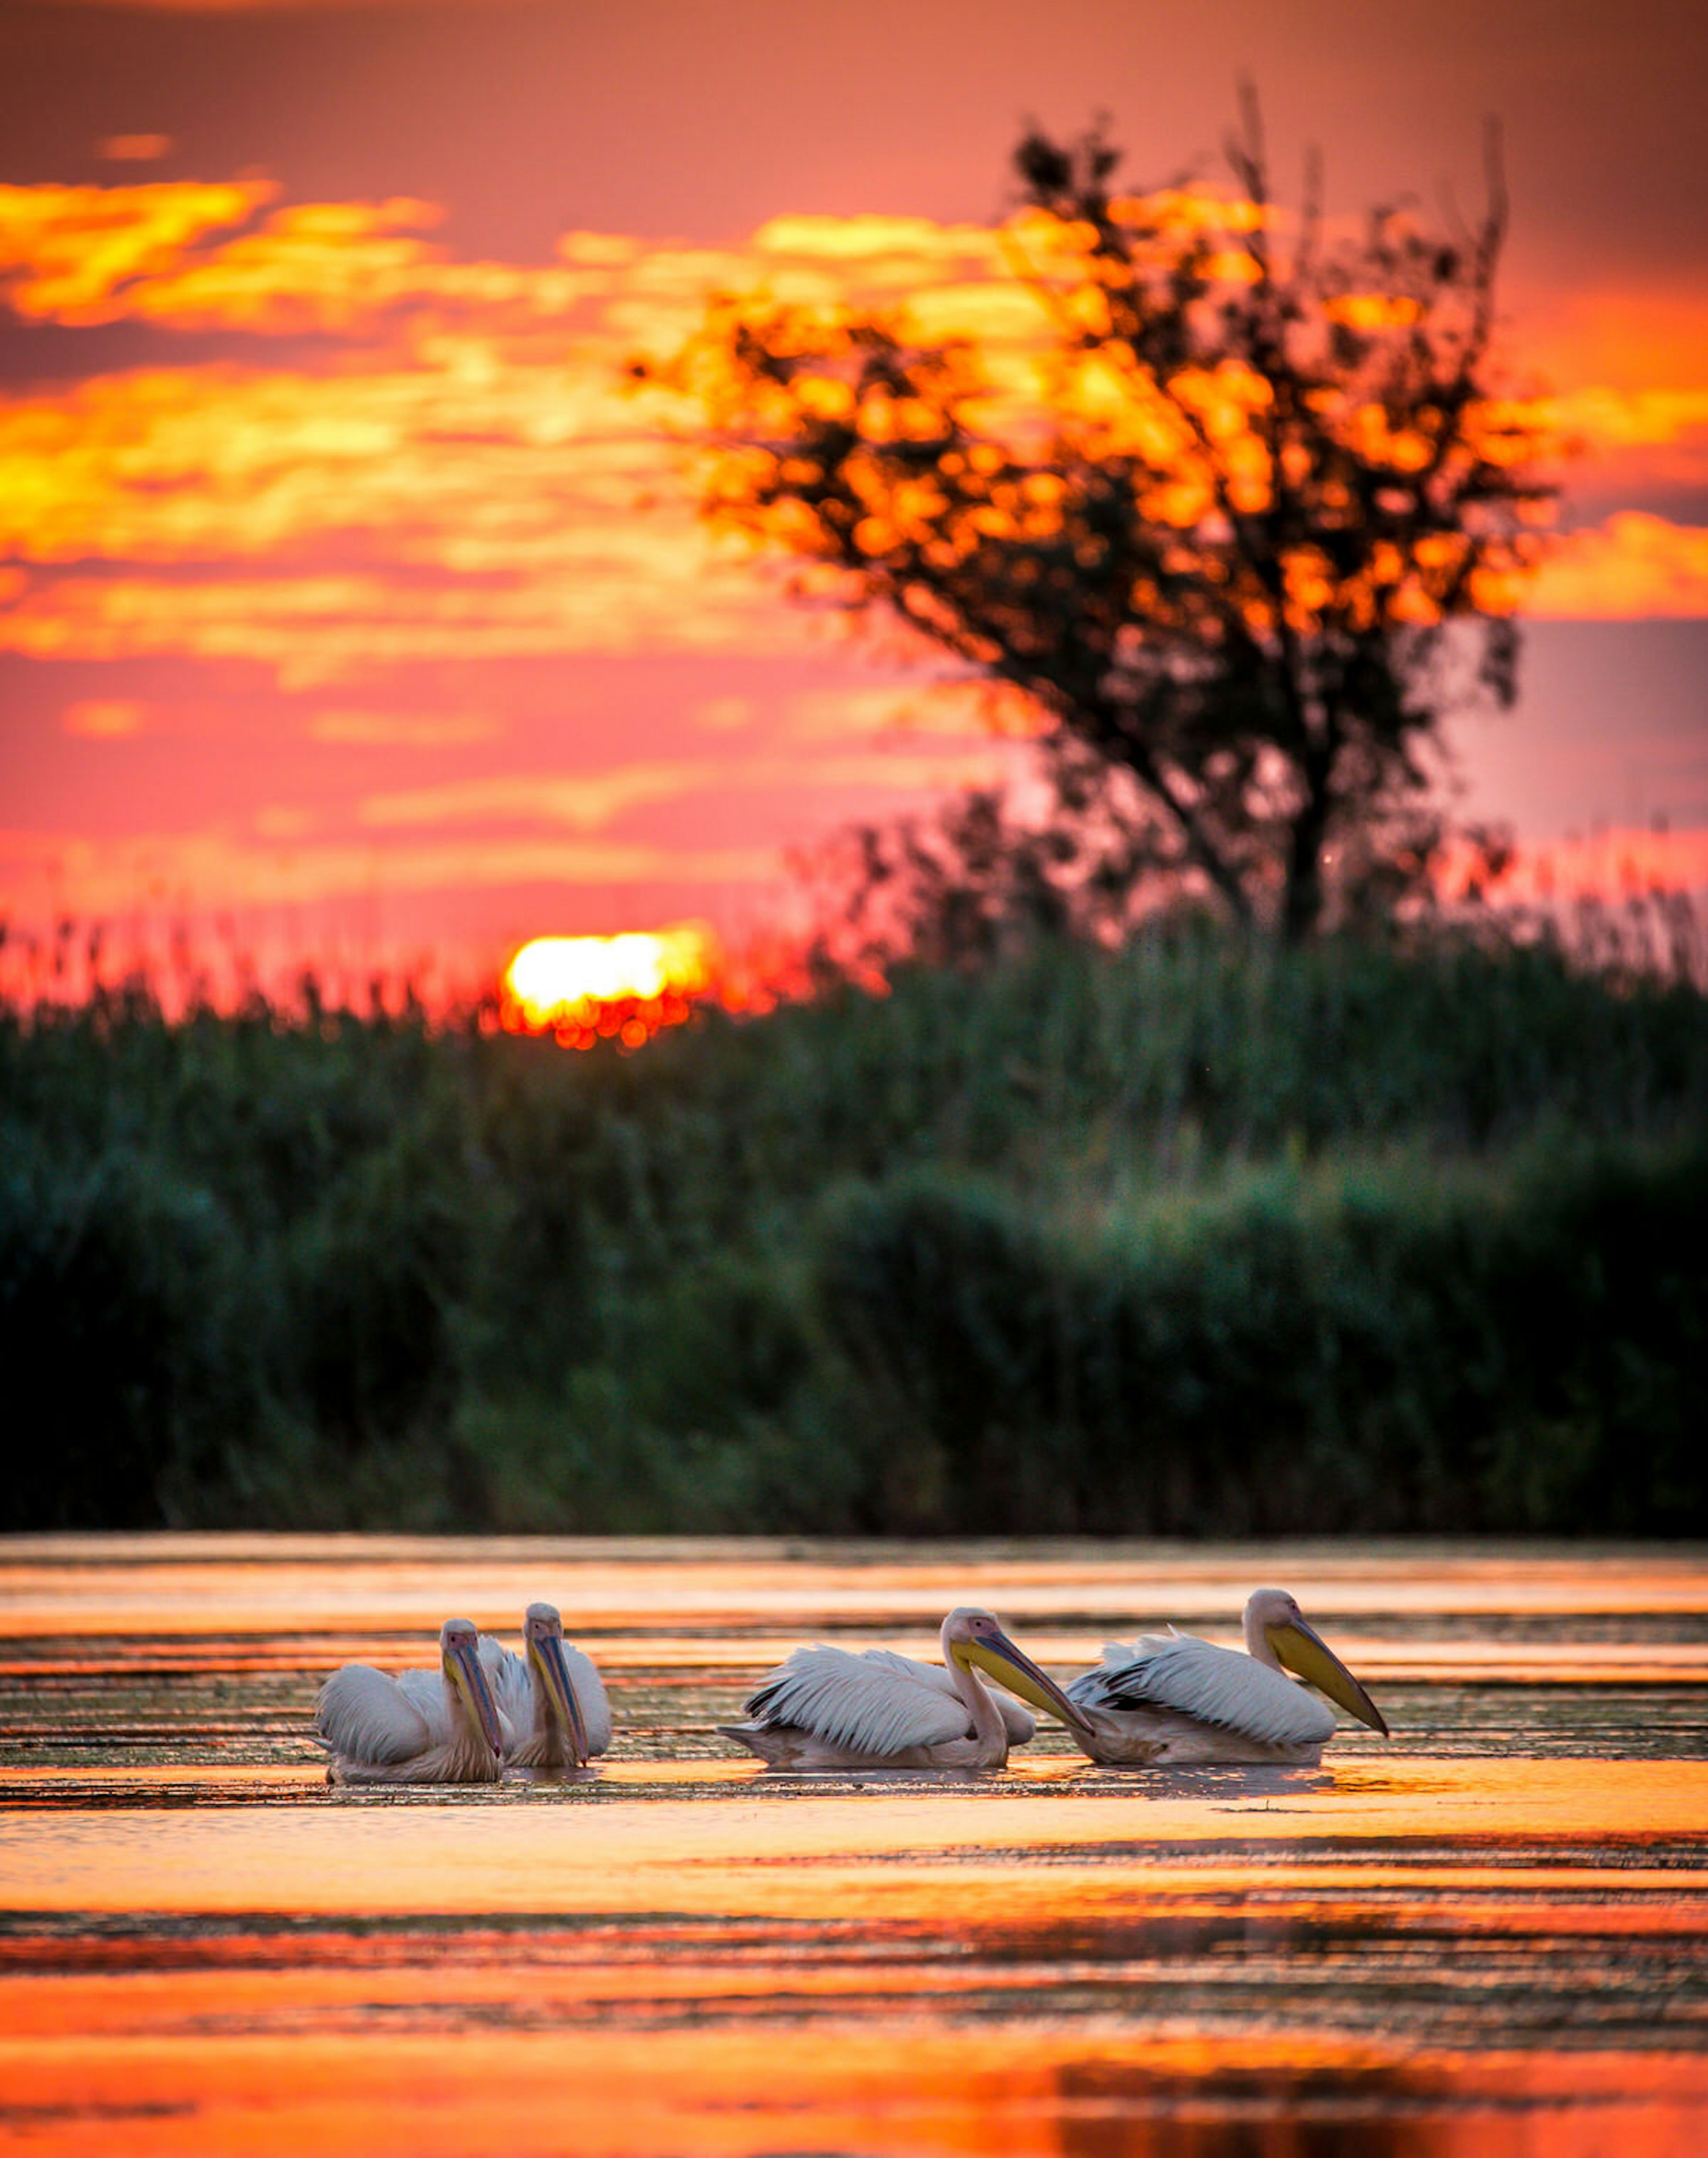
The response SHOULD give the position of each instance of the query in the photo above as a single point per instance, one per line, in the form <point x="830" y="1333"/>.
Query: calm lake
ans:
<point x="1488" y="1935"/>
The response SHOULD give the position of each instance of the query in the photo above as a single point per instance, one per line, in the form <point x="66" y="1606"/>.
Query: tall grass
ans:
<point x="1188" y="1236"/>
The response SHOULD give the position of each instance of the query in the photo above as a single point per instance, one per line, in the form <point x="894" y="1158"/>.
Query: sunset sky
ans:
<point x="349" y="610"/>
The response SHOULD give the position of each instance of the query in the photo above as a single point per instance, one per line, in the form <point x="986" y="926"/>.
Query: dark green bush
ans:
<point x="123" y="1295"/>
<point x="1188" y="1236"/>
<point x="1520" y="1347"/>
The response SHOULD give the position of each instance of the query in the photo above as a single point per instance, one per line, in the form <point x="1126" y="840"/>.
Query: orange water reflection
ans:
<point x="725" y="2094"/>
<point x="1486" y="1937"/>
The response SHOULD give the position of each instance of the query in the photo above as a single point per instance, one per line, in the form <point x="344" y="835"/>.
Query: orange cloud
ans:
<point x="1636" y="440"/>
<point x="314" y="629"/>
<point x="455" y="459"/>
<point x="66" y="252"/>
<point x="1635" y="340"/>
<point x="1633" y="564"/>
<point x="468" y="481"/>
<point x="457" y="478"/>
<point x="588" y="802"/>
<point x="287" y="867"/>
<point x="583" y="802"/>
<point x="134" y="149"/>
<point x="725" y="714"/>
<point x="104" y="719"/>
<point x="84" y="255"/>
<point x="1606" y="418"/>
<point x="953" y="709"/>
<point x="361" y="730"/>
<point x="1621" y="862"/>
<point x="340" y="267"/>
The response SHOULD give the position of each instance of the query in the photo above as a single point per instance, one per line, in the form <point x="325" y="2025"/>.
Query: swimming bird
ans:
<point x="1171" y="1698"/>
<point x="550" y="1698"/>
<point x="411" y="1730"/>
<point x="831" y="1708"/>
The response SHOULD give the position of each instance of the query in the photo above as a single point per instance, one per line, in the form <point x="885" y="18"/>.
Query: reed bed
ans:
<point x="1190" y="1237"/>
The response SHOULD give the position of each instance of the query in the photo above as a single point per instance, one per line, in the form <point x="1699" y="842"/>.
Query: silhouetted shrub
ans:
<point x="122" y="1301"/>
<point x="1516" y="1347"/>
<point x="1186" y="1237"/>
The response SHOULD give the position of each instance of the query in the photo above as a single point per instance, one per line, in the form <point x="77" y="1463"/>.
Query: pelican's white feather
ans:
<point x="425" y="1692"/>
<point x="874" y="1702"/>
<point x="1222" y="1687"/>
<point x="382" y="1730"/>
<point x="590" y="1697"/>
<point x="513" y="1689"/>
<point x="1017" y="1720"/>
<point x="365" y="1715"/>
<point x="508" y="1676"/>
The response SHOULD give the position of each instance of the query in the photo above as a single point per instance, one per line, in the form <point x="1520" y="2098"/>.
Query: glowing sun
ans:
<point x="580" y="988"/>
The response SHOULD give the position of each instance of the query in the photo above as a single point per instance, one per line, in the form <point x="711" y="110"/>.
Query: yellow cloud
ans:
<point x="1607" y="418"/>
<point x="362" y="729"/>
<point x="468" y="481"/>
<point x="66" y="252"/>
<point x="1633" y="564"/>
<point x="104" y="719"/>
<point x="861" y="241"/>
<point x="725" y="714"/>
<point x="224" y="868"/>
<point x="316" y="629"/>
<point x="589" y="801"/>
<point x="946" y="710"/>
<point x="582" y="802"/>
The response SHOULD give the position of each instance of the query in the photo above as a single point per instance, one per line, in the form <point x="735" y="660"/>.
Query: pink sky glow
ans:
<point x="352" y="611"/>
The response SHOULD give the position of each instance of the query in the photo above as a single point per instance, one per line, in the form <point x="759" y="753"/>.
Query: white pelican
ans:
<point x="550" y="1698"/>
<point x="831" y="1708"/>
<point x="382" y="1730"/>
<point x="1170" y="1697"/>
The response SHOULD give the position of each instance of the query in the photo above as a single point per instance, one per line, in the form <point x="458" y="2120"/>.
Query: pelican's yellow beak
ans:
<point x="548" y="1655"/>
<point x="1303" y="1650"/>
<point x="1014" y="1669"/>
<point x="463" y="1664"/>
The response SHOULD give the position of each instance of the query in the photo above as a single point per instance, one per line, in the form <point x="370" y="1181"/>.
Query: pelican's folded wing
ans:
<point x="513" y="1688"/>
<point x="1223" y="1687"/>
<point x="365" y="1715"/>
<point x="1121" y="1673"/>
<point x="590" y="1697"/>
<point x="424" y="1692"/>
<point x="1017" y="1720"/>
<point x="876" y="1703"/>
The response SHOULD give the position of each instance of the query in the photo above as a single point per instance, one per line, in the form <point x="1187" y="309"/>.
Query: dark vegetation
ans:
<point x="1199" y="1236"/>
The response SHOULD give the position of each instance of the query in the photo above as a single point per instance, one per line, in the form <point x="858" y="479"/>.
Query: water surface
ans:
<point x="1485" y="1936"/>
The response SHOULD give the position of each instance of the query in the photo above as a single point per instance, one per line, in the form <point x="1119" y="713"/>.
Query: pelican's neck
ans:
<point x="990" y="1732"/>
<point x="1257" y="1641"/>
<point x="551" y="1741"/>
<point x="467" y="1755"/>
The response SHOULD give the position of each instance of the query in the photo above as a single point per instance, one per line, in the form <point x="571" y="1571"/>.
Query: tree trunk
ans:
<point x="1302" y="896"/>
